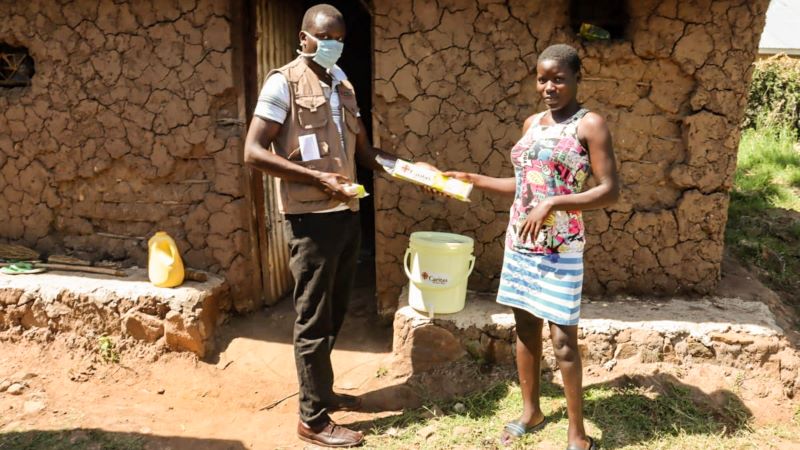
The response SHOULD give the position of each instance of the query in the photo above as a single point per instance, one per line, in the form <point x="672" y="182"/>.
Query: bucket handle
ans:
<point x="429" y="286"/>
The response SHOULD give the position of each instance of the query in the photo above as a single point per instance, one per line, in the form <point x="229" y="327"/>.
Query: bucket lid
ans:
<point x="450" y="241"/>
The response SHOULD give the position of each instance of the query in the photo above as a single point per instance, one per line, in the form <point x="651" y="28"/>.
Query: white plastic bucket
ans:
<point x="438" y="266"/>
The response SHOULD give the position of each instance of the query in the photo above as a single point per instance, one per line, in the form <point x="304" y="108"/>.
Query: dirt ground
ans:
<point x="243" y="396"/>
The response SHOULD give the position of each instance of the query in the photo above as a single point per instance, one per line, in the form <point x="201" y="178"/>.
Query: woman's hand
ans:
<point x="539" y="216"/>
<point x="463" y="176"/>
<point x="427" y="189"/>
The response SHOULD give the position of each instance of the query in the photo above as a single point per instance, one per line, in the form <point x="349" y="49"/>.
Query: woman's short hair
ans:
<point x="563" y="54"/>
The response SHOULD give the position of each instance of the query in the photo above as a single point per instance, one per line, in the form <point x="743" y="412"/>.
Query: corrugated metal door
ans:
<point x="278" y="22"/>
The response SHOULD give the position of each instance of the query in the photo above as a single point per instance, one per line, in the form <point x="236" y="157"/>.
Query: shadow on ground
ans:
<point x="94" y="439"/>
<point x="628" y="410"/>
<point x="362" y="330"/>
<point x="638" y="409"/>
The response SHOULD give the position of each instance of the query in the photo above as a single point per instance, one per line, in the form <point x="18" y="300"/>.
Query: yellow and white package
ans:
<point x="435" y="180"/>
<point x="356" y="190"/>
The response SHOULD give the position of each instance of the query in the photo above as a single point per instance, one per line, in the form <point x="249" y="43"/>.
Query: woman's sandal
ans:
<point x="592" y="445"/>
<point x="516" y="429"/>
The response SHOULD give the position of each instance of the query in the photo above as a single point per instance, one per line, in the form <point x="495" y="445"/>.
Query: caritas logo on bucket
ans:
<point x="435" y="279"/>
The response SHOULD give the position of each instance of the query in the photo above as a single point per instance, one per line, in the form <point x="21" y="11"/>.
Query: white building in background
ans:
<point x="782" y="31"/>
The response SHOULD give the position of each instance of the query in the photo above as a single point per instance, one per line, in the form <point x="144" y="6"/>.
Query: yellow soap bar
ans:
<point x="453" y="187"/>
<point x="356" y="190"/>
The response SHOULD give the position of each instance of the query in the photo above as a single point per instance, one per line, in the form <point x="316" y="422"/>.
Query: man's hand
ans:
<point x="538" y="217"/>
<point x="333" y="185"/>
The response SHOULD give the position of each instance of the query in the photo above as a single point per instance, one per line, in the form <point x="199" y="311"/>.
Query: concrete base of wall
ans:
<point x="182" y="318"/>
<point x="724" y="331"/>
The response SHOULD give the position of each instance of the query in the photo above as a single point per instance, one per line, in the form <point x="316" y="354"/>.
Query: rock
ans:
<point x="422" y="347"/>
<point x="625" y="351"/>
<point x="33" y="406"/>
<point x="459" y="408"/>
<point x="502" y="352"/>
<point x="4" y="385"/>
<point x="698" y="350"/>
<point x="650" y="355"/>
<point x="610" y="364"/>
<point x="23" y="376"/>
<point x="161" y="391"/>
<point x="142" y="326"/>
<point x="16" y="389"/>
<point x="184" y="333"/>
<point x="426" y="432"/>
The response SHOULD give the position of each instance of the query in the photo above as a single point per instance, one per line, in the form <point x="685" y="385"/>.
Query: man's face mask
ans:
<point x="328" y="51"/>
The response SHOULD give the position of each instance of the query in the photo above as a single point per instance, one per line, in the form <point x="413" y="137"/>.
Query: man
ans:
<point x="307" y="114"/>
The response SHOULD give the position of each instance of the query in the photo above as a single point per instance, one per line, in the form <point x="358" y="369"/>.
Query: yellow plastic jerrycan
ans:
<point x="164" y="265"/>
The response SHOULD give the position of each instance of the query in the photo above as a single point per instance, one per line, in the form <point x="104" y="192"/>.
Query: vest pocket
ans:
<point x="304" y="193"/>
<point x="310" y="111"/>
<point x="300" y="192"/>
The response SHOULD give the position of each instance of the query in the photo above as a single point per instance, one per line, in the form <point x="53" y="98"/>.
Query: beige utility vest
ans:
<point x="310" y="113"/>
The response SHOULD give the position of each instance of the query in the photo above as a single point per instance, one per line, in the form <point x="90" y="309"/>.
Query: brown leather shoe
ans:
<point x="329" y="435"/>
<point x="344" y="402"/>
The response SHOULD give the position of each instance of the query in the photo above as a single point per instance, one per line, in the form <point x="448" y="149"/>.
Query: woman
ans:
<point x="543" y="263"/>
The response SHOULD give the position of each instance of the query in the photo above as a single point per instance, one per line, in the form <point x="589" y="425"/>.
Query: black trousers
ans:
<point x="323" y="252"/>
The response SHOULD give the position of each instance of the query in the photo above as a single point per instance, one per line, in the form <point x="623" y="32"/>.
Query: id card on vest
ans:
<point x="309" y="150"/>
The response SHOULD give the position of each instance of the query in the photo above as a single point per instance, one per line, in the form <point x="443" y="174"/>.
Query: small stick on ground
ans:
<point x="278" y="402"/>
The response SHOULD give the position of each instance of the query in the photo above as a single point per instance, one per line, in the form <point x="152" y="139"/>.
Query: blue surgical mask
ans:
<point x="328" y="51"/>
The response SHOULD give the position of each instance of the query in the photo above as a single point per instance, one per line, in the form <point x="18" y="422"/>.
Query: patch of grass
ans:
<point x="108" y="349"/>
<point x="619" y="417"/>
<point x="764" y="215"/>
<point x="768" y="169"/>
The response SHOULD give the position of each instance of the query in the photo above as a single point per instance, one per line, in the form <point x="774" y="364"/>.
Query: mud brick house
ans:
<point x="120" y="118"/>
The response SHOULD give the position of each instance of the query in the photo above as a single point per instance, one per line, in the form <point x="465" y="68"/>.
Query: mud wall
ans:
<point x="130" y="126"/>
<point x="455" y="79"/>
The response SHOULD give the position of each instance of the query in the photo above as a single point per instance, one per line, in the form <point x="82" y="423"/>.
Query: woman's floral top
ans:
<point x="549" y="160"/>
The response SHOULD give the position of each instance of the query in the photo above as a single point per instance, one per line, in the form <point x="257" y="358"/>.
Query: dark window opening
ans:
<point x="16" y="66"/>
<point x="610" y="15"/>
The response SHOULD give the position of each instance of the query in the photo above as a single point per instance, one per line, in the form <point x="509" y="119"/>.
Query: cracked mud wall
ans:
<point x="130" y="126"/>
<point x="455" y="79"/>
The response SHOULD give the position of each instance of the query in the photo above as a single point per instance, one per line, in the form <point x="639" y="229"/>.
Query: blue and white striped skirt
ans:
<point x="547" y="286"/>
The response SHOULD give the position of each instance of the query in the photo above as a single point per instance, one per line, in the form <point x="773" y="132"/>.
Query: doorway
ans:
<point x="278" y="25"/>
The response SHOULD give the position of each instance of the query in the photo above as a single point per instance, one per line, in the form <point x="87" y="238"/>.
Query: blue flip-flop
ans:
<point x="592" y="445"/>
<point x="516" y="429"/>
